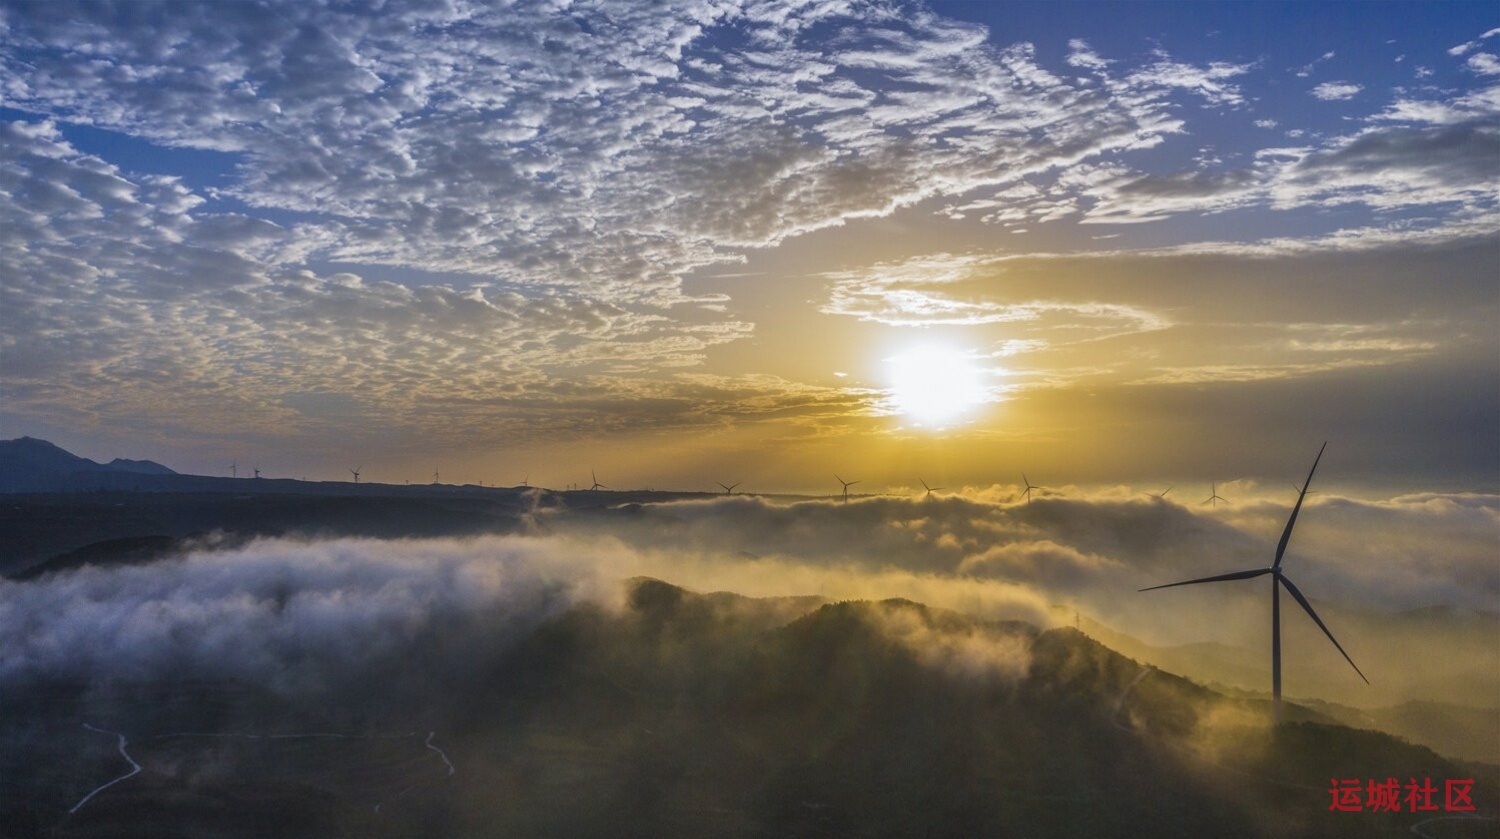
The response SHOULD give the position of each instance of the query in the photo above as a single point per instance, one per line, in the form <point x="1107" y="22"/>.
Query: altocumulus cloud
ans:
<point x="565" y="167"/>
<point x="562" y="146"/>
<point x="554" y="173"/>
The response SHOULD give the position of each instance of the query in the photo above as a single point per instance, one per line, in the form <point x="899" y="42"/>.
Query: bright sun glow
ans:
<point x="935" y="385"/>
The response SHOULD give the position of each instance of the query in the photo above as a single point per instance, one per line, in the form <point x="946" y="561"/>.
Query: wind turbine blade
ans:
<point x="1237" y="575"/>
<point x="1319" y="621"/>
<point x="1286" y="535"/>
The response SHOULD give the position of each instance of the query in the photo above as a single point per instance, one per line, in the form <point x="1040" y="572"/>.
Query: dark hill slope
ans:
<point x="677" y="714"/>
<point x="39" y="533"/>
<point x="893" y="719"/>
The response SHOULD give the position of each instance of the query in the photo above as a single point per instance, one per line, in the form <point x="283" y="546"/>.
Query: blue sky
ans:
<point x="1165" y="239"/>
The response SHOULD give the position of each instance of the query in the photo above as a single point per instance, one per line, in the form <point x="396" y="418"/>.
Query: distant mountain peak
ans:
<point x="29" y="464"/>
<point x="144" y="467"/>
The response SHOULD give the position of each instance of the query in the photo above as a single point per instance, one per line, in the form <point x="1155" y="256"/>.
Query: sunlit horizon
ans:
<point x="952" y="241"/>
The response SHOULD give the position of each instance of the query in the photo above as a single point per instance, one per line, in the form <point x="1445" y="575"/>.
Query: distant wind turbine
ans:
<point x="257" y="472"/>
<point x="596" y="485"/>
<point x="846" y="484"/>
<point x="930" y="490"/>
<point x="435" y="476"/>
<point x="234" y="469"/>
<point x="1162" y="494"/>
<point x="729" y="490"/>
<point x="1279" y="579"/>
<point x="355" y="473"/>
<point x="1029" y="487"/>
<point x="1216" y="497"/>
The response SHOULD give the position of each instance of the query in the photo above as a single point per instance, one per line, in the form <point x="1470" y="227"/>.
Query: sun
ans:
<point x="935" y="386"/>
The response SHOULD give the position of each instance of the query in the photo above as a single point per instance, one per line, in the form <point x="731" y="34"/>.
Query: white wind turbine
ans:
<point x="1279" y="579"/>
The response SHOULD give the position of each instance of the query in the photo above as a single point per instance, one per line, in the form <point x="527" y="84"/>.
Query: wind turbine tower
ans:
<point x="1279" y="579"/>
<point x="1029" y="487"/>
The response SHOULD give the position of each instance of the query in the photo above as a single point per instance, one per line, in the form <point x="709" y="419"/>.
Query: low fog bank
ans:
<point x="1409" y="585"/>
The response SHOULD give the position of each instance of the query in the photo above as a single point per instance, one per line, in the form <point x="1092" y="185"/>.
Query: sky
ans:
<point x="672" y="245"/>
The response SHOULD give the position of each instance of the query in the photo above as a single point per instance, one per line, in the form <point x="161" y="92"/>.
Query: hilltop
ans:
<point x="686" y="714"/>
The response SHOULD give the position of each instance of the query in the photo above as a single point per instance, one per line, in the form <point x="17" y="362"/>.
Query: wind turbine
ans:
<point x="257" y="472"/>
<point x="596" y="485"/>
<point x="1029" y="487"/>
<point x="1279" y="579"/>
<point x="1216" y="497"/>
<point x="435" y="476"/>
<point x="234" y="469"/>
<point x="846" y="484"/>
<point x="355" y="473"/>
<point x="729" y="490"/>
<point x="930" y="490"/>
<point x="1162" y="494"/>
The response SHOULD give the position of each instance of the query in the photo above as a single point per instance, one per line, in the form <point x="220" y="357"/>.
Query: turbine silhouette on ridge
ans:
<point x="846" y="484"/>
<point x="1279" y="579"/>
<point x="729" y="488"/>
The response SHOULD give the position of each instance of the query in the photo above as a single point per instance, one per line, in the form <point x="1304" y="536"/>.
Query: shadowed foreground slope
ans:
<point x="711" y="715"/>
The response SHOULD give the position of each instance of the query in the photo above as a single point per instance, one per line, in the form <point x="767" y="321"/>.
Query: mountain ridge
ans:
<point x="31" y="464"/>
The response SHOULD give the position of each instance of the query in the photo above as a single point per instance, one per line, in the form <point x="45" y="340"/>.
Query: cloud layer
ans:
<point x="472" y="225"/>
<point x="300" y="617"/>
